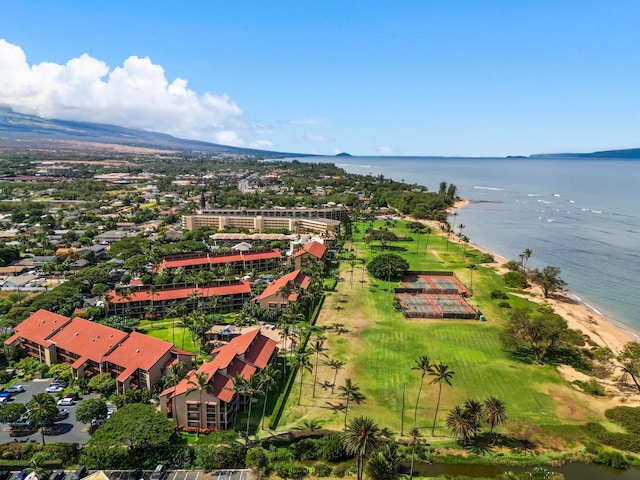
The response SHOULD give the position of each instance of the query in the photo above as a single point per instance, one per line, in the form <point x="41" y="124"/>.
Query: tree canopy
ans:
<point x="135" y="425"/>
<point x="388" y="266"/>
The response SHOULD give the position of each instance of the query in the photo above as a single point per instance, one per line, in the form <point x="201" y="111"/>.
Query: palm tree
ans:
<point x="425" y="366"/>
<point x="252" y="387"/>
<point x="526" y="255"/>
<point x="494" y="413"/>
<point x="428" y="231"/>
<point x="42" y="411"/>
<point x="350" y="391"/>
<point x="460" y="423"/>
<point x="301" y="362"/>
<point x="415" y="438"/>
<point x="441" y="374"/>
<point x="318" y="348"/>
<point x="239" y="385"/>
<point x="176" y="373"/>
<point x="268" y="376"/>
<point x="200" y="382"/>
<point x="474" y="409"/>
<point x="360" y="439"/>
<point x="471" y="267"/>
<point x="336" y="365"/>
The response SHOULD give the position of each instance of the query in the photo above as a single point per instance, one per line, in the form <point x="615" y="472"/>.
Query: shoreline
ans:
<point x="578" y="312"/>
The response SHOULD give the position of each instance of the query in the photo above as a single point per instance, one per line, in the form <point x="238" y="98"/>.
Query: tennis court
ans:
<point x="434" y="295"/>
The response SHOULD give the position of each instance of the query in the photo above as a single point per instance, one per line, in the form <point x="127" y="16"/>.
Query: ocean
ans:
<point x="578" y="214"/>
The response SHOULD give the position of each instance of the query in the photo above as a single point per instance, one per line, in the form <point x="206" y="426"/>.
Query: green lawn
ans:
<point x="162" y="330"/>
<point x="382" y="347"/>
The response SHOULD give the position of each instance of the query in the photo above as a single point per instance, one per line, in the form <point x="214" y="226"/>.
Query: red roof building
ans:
<point x="259" y="260"/>
<point x="215" y="407"/>
<point x="283" y="291"/>
<point x="154" y="300"/>
<point x="311" y="251"/>
<point x="134" y="359"/>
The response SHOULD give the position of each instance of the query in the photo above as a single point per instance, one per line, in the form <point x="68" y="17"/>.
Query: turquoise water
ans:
<point x="577" y="214"/>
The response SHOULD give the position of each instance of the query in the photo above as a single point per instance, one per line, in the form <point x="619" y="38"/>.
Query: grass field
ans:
<point x="162" y="330"/>
<point x="381" y="347"/>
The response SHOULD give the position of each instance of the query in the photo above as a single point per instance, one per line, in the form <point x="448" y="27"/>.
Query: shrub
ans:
<point x="321" y="469"/>
<point x="504" y="305"/>
<point x="499" y="295"/>
<point x="612" y="459"/>
<point x="305" y="449"/>
<point x="343" y="469"/>
<point x="332" y="449"/>
<point x="628" y="417"/>
<point x="592" y="387"/>
<point x="515" y="279"/>
<point x="290" y="470"/>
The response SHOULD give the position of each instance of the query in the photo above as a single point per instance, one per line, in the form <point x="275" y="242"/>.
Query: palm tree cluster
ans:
<point x="441" y="374"/>
<point x="465" y="421"/>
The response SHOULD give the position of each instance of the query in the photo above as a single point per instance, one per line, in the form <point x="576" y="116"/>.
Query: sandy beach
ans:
<point x="578" y="314"/>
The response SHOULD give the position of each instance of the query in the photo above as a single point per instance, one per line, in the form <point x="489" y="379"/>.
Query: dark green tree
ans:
<point x="361" y="439"/>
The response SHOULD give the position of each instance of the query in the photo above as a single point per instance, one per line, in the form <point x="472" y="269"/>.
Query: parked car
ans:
<point x="59" y="381"/>
<point x="21" y="423"/>
<point x="62" y="414"/>
<point x="5" y="474"/>
<point x="135" y="475"/>
<point x="14" y="389"/>
<point x="66" y="402"/>
<point x="74" y="395"/>
<point x="96" y="422"/>
<point x="54" y="388"/>
<point x="59" y="475"/>
<point x="80" y="472"/>
<point x="159" y="473"/>
<point x="21" y="475"/>
<point x="4" y="398"/>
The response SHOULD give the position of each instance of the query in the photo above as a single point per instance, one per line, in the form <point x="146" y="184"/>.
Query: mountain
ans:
<point x="18" y="130"/>
<point x="626" y="153"/>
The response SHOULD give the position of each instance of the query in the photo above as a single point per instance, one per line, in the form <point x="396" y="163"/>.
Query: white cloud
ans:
<point x="312" y="137"/>
<point x="385" y="150"/>
<point x="262" y="144"/>
<point x="136" y="94"/>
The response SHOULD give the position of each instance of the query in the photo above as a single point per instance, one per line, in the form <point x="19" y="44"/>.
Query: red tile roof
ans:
<point x="294" y="278"/>
<point x="88" y="339"/>
<point x="313" y="248"/>
<point x="140" y="350"/>
<point x="38" y="327"/>
<point x="181" y="293"/>
<point x="218" y="259"/>
<point x="228" y="362"/>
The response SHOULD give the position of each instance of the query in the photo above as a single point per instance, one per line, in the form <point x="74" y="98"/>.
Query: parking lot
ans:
<point x="187" y="475"/>
<point x="67" y="430"/>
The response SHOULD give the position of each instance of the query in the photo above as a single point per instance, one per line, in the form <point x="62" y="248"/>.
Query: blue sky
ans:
<point x="408" y="77"/>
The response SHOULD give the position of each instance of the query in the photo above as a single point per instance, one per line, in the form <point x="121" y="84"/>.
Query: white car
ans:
<point x="54" y="389"/>
<point x="14" y="389"/>
<point x="65" y="402"/>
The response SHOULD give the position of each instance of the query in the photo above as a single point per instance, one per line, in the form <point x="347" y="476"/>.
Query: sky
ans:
<point x="412" y="78"/>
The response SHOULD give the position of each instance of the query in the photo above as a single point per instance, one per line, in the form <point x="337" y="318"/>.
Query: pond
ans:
<point x="571" y="471"/>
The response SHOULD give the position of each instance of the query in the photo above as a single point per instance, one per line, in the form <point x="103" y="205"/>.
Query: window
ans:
<point x="212" y="415"/>
<point x="193" y="414"/>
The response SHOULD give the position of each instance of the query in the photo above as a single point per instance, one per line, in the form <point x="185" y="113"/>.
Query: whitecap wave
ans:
<point x="487" y="188"/>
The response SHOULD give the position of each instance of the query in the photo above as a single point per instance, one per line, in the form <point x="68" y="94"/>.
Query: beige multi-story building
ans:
<point x="216" y="404"/>
<point x="133" y="359"/>
<point x="321" y="220"/>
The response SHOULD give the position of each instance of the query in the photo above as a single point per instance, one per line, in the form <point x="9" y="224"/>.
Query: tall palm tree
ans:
<point x="176" y="373"/>
<point x="317" y="347"/>
<point x="336" y="365"/>
<point x="494" y="413"/>
<point x="252" y="387"/>
<point x="200" y="382"/>
<point x="415" y="438"/>
<point x="425" y="366"/>
<point x="460" y="423"/>
<point x="525" y="256"/>
<point x="471" y="267"/>
<point x="361" y="439"/>
<point x="428" y="231"/>
<point x="441" y="374"/>
<point x="42" y="411"/>
<point x="350" y="391"/>
<point x="268" y="376"/>
<point x="302" y="363"/>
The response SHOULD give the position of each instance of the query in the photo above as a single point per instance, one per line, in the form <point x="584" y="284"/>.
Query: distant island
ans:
<point x="343" y="154"/>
